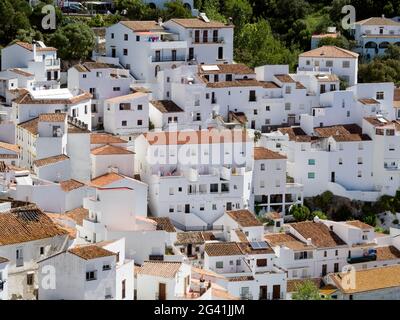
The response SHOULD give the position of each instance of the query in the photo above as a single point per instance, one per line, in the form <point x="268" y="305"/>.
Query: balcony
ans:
<point x="52" y="63"/>
<point x="178" y="58"/>
<point x="208" y="40"/>
<point x="370" y="255"/>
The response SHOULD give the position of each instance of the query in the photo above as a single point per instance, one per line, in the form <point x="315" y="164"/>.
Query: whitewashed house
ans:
<point x="3" y="278"/>
<point x="125" y="115"/>
<point x="36" y="59"/>
<point x="34" y="236"/>
<point x="88" y="272"/>
<point x="339" y="61"/>
<point x="103" y="81"/>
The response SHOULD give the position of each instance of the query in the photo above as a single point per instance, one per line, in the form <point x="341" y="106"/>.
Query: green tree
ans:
<point x="176" y="9"/>
<point x="239" y="10"/>
<point x="341" y="42"/>
<point x="6" y="21"/>
<point x="319" y="214"/>
<point x="74" y="41"/>
<point x="256" y="46"/>
<point x="300" y="213"/>
<point x="306" y="291"/>
<point x="135" y="9"/>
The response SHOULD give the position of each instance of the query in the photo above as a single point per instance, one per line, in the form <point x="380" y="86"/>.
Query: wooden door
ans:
<point x="276" y="292"/>
<point x="161" y="291"/>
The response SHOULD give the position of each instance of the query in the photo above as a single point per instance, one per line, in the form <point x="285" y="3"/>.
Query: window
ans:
<point x="288" y="89"/>
<point x="99" y="74"/>
<point x="219" y="264"/>
<point x="91" y="275"/>
<point x="86" y="109"/>
<point x="348" y="113"/>
<point x="123" y="293"/>
<point x="325" y="254"/>
<point x="214" y="206"/>
<point x="333" y="87"/>
<point x="287" y="106"/>
<point x="336" y="252"/>
<point x="359" y="160"/>
<point x="340" y="161"/>
<point x="311" y="175"/>
<point x="308" y="62"/>
<point x="137" y="38"/>
<point x="112" y="35"/>
<point x="311" y="162"/>
<point x="252" y="95"/>
<point x="106" y="267"/>
<point x="41" y="250"/>
<point x="267" y="108"/>
<point x="214" y="187"/>
<point x="124" y="123"/>
<point x="116" y="89"/>
<point x="359" y="174"/>
<point x="84" y="76"/>
<point x="336" y="267"/>
<point x="125" y="37"/>
<point x="262" y="167"/>
<point x="125" y="52"/>
<point x="329" y="63"/>
<point x="261" y="262"/>
<point x="346" y="64"/>
<point x="228" y="77"/>
<point x="171" y="191"/>
<point x="94" y="108"/>
<point x="29" y="279"/>
<point x="220" y="53"/>
<point x="140" y="122"/>
<point x="255" y="111"/>
<point x="380" y="95"/>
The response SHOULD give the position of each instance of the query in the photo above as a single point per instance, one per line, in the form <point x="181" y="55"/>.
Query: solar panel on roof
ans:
<point x="258" y="245"/>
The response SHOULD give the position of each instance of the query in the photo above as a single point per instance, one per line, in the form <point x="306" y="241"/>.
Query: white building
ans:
<point x="88" y="272"/>
<point x="103" y="81"/>
<point x="147" y="47"/>
<point x="36" y="59"/>
<point x="34" y="237"/>
<point x="373" y="35"/>
<point x="165" y="114"/>
<point x="125" y="115"/>
<point x="194" y="176"/>
<point x="3" y="278"/>
<point x="339" y="61"/>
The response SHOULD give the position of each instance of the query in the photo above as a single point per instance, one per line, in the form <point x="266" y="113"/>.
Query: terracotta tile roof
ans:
<point x="29" y="47"/>
<point x="261" y="153"/>
<point x="162" y="269"/>
<point x="26" y="98"/>
<point x="21" y="72"/>
<point x="106" y="179"/>
<point x="343" y="133"/>
<point x="387" y="253"/>
<point x="89" y="252"/>
<point x="197" y="23"/>
<point x="104" y="138"/>
<point x="78" y="215"/>
<point x="359" y="224"/>
<point x="319" y="233"/>
<point x="244" y="218"/>
<point x="368" y="101"/>
<point x="142" y="25"/>
<point x="9" y="147"/>
<point x="70" y="185"/>
<point x="89" y="65"/>
<point x="26" y="224"/>
<point x="297" y="134"/>
<point x="325" y="35"/>
<point x="223" y="249"/>
<point x="299" y="85"/>
<point x="197" y="137"/>
<point x="327" y="77"/>
<point x="189" y="237"/>
<point x="208" y="236"/>
<point x="233" y="68"/>
<point x="76" y="129"/>
<point x="126" y="97"/>
<point x="286" y="240"/>
<point x="236" y="83"/>
<point x="376" y="123"/>
<point x="239" y="117"/>
<point x="329" y="52"/>
<point x="30" y="125"/>
<point x="285" y="78"/>
<point x="109" y="149"/>
<point x="247" y="249"/>
<point x="8" y="156"/>
<point x="370" y="279"/>
<point x="241" y="278"/>
<point x="166" y="106"/>
<point x="3" y="260"/>
<point x="269" y="85"/>
<point x="292" y="285"/>
<point x="378" y="21"/>
<point x="164" y="223"/>
<point x="50" y="160"/>
<point x="52" y="117"/>
<point x="241" y="236"/>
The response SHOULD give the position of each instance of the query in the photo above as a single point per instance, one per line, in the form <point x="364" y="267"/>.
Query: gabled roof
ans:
<point x="109" y="149"/>
<point x="78" y="215"/>
<point x="104" y="138"/>
<point x="106" y="179"/>
<point x="319" y="234"/>
<point x="52" y="117"/>
<point x="199" y="23"/>
<point x="89" y="252"/>
<point x="21" y="72"/>
<point x="223" y="249"/>
<point x="166" y="106"/>
<point x="50" y="160"/>
<point x="378" y="21"/>
<point x="285" y="78"/>
<point x="164" y="223"/>
<point x="9" y="146"/>
<point x="142" y="25"/>
<point x="126" y="97"/>
<point x="27" y="98"/>
<point x="244" y="218"/>
<point x="286" y="240"/>
<point x="164" y="269"/>
<point x="193" y="237"/>
<point x="29" y="46"/>
<point x="231" y="68"/>
<point x="261" y="153"/>
<point x="329" y="52"/>
<point x="359" y="224"/>
<point x="30" y="125"/>
<point x="70" y="185"/>
<point x="26" y="224"/>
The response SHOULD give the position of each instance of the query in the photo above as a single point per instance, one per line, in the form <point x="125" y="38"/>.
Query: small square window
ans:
<point x="124" y="123"/>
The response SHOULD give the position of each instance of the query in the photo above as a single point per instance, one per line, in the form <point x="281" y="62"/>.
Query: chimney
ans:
<point x="34" y="51"/>
<point x="160" y="21"/>
<point x="308" y="241"/>
<point x="383" y="16"/>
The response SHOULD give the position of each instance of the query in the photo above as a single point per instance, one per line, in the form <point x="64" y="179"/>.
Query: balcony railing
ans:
<point x="208" y="40"/>
<point x="168" y="59"/>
